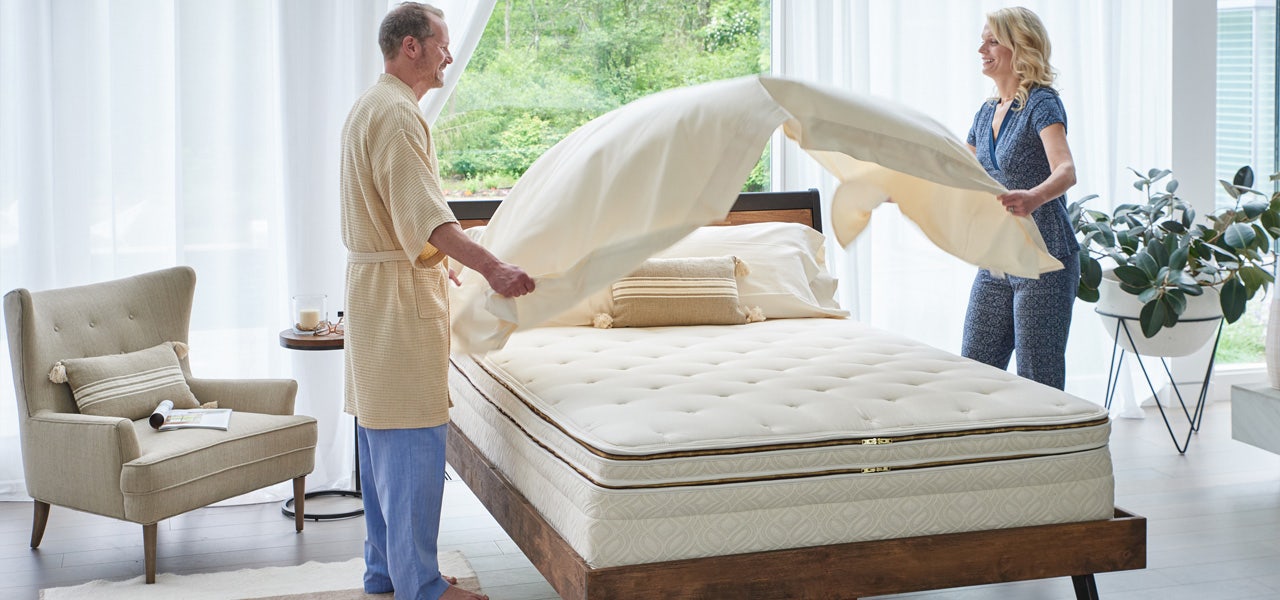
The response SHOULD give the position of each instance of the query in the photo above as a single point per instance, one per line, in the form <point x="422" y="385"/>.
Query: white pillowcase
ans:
<point x="788" y="276"/>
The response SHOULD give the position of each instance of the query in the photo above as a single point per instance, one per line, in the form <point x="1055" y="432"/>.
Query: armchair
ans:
<point x="124" y="469"/>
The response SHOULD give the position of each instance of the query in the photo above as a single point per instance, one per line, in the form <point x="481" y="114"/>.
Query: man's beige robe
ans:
<point x="397" y="303"/>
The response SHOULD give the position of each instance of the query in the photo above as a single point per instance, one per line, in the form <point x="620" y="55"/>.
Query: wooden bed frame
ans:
<point x="844" y="571"/>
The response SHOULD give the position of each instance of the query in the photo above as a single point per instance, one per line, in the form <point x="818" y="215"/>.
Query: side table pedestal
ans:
<point x="290" y="339"/>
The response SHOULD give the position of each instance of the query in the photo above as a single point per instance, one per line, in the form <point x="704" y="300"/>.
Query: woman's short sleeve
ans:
<point x="1046" y="111"/>
<point x="973" y="129"/>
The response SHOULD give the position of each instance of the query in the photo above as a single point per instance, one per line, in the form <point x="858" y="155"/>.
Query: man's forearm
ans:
<point x="450" y="240"/>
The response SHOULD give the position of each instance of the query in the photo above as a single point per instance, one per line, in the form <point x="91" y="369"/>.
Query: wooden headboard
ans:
<point x="752" y="207"/>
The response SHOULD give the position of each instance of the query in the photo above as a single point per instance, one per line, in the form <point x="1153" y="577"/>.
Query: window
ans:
<point x="544" y="67"/>
<point x="1246" y="135"/>
<point x="1246" y="89"/>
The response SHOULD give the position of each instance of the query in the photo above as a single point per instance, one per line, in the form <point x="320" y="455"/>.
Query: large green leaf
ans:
<point x="1232" y="190"/>
<point x="1159" y="253"/>
<point x="1090" y="271"/>
<point x="1148" y="264"/>
<point x="1233" y="298"/>
<point x="1270" y="219"/>
<point x="1244" y="177"/>
<point x="1254" y="277"/>
<point x="1152" y="317"/>
<point x="1261" y="241"/>
<point x="1086" y="294"/>
<point x="1178" y="259"/>
<point x="1173" y="226"/>
<point x="1133" y="275"/>
<point x="1238" y="236"/>
<point x="1177" y="301"/>
<point x="1254" y="208"/>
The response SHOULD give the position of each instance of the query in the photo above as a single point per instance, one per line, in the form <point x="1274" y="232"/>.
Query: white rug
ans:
<point x="313" y="580"/>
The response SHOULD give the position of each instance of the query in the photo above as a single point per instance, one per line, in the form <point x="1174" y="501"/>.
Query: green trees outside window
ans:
<point x="544" y="67"/>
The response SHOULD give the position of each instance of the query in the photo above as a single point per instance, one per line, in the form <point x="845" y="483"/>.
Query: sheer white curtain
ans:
<point x="140" y="134"/>
<point x="1113" y="59"/>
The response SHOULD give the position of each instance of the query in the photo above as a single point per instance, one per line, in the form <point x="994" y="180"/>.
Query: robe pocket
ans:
<point x="431" y="292"/>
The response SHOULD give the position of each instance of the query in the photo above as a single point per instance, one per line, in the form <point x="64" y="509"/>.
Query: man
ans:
<point x="398" y="230"/>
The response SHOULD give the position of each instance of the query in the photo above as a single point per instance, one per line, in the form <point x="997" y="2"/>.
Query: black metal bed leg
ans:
<point x="1086" y="587"/>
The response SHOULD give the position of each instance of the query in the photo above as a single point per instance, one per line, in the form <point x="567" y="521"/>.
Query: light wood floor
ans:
<point x="1213" y="532"/>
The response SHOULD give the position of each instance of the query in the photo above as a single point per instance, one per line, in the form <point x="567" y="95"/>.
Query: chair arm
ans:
<point x="267" y="396"/>
<point x="75" y="460"/>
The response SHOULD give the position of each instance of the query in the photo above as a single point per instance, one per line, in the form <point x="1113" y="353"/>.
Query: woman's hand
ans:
<point x="1020" y="203"/>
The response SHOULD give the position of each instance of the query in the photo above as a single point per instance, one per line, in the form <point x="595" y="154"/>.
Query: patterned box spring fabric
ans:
<point x="652" y="444"/>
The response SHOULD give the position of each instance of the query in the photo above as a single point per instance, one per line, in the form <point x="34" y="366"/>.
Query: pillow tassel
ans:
<point x="754" y="314"/>
<point x="602" y="321"/>
<point x="740" y="267"/>
<point x="180" y="349"/>
<point x="59" y="373"/>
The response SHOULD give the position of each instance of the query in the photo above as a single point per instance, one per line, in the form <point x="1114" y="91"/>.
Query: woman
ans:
<point x="1020" y="137"/>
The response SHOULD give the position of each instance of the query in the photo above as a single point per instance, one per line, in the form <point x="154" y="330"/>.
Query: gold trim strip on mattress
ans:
<point x="854" y="441"/>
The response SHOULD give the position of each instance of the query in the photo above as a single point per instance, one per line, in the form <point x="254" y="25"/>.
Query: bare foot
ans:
<point x="457" y="593"/>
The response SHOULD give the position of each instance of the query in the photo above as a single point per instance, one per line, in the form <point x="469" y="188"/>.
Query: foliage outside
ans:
<point x="545" y="67"/>
<point x="1162" y="255"/>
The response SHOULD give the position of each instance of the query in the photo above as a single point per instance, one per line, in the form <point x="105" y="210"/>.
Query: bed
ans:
<point x="802" y="457"/>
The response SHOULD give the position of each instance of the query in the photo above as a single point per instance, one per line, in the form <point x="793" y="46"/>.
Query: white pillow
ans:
<point x="788" y="275"/>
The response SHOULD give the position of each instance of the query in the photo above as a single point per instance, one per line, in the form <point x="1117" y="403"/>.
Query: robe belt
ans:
<point x="376" y="257"/>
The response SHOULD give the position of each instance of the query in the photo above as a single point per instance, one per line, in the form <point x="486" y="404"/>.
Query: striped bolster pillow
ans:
<point x="679" y="291"/>
<point x="127" y="385"/>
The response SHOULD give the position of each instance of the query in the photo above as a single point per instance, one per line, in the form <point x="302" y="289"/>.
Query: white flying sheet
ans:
<point x="635" y="180"/>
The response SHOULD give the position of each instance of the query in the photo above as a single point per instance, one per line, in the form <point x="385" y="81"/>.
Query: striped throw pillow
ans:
<point x="678" y="291"/>
<point x="127" y="385"/>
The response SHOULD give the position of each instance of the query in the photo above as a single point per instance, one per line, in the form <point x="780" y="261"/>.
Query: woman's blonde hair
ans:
<point x="1022" y="32"/>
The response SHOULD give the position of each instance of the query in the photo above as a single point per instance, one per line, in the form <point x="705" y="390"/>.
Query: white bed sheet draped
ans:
<point x="637" y="179"/>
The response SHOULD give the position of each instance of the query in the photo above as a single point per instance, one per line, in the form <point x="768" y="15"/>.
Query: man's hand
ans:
<point x="509" y="280"/>
<point x="505" y="278"/>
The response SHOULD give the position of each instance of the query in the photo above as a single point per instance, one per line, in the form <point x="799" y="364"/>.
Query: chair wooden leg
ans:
<point x="149" y="550"/>
<point x="299" y="493"/>
<point x="41" y="518"/>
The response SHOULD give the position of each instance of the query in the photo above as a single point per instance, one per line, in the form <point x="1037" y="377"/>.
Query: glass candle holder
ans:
<point x="309" y="313"/>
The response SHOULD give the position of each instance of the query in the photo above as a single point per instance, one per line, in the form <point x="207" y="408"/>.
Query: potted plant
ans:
<point x="1168" y="267"/>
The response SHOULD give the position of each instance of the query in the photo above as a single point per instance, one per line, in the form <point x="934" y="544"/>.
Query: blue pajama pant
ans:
<point x="402" y="482"/>
<point x="1030" y="316"/>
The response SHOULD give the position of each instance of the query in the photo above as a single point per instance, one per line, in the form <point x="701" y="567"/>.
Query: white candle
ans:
<point x="309" y="318"/>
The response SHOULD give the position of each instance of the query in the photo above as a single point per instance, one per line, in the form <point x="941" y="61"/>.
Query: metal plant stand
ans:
<point x="1194" y="415"/>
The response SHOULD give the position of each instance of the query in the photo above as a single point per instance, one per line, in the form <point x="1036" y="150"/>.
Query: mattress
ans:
<point x="652" y="444"/>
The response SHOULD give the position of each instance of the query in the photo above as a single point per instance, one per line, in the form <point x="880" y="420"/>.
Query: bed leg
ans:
<point x="1086" y="587"/>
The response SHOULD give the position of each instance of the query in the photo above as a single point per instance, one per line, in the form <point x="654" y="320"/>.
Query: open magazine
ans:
<point x="167" y="418"/>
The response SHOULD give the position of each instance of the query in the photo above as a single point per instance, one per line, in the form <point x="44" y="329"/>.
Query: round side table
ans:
<point x="293" y="341"/>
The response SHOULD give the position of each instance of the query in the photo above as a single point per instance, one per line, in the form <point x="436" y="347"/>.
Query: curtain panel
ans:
<point x="141" y="134"/>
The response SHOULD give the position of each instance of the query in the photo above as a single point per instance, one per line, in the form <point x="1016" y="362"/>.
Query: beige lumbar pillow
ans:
<point x="127" y="385"/>
<point x="680" y="291"/>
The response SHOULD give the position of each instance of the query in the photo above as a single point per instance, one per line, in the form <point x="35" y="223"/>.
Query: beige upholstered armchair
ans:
<point x="123" y="468"/>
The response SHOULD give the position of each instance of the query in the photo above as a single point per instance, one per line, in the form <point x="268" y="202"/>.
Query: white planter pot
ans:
<point x="1273" y="340"/>
<point x="1182" y="339"/>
